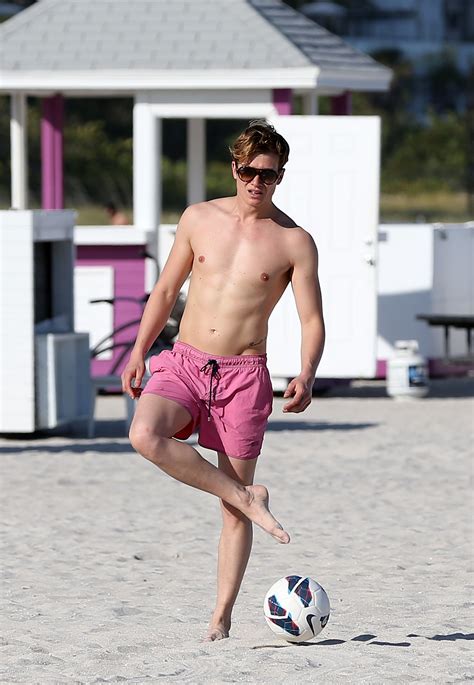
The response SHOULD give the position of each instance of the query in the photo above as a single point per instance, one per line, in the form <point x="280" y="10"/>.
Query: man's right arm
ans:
<point x="161" y="301"/>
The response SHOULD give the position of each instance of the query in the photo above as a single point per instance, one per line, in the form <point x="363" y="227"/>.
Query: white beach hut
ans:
<point x="186" y="59"/>
<point x="197" y="60"/>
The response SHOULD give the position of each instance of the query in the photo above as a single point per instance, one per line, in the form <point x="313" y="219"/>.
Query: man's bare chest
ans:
<point x="240" y="260"/>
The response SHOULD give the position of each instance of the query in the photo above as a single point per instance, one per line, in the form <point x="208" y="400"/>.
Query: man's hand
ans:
<point x="134" y="371"/>
<point x="299" y="389"/>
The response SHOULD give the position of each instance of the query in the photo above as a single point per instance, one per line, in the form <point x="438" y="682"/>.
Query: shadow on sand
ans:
<point x="369" y="639"/>
<point x="112" y="447"/>
<point x="316" y="426"/>
<point x="439" y="388"/>
<point x="110" y="437"/>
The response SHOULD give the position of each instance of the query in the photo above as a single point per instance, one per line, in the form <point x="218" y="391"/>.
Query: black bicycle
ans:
<point x="163" y="342"/>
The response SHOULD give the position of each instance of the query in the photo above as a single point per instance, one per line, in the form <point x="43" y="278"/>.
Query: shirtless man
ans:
<point x="242" y="252"/>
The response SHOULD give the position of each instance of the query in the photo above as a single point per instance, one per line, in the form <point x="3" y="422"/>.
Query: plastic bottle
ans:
<point x="407" y="371"/>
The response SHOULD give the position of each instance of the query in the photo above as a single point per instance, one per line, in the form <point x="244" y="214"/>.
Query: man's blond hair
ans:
<point x="259" y="138"/>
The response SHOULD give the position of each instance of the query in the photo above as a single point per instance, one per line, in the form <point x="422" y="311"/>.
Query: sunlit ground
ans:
<point x="435" y="206"/>
<point x="426" y="207"/>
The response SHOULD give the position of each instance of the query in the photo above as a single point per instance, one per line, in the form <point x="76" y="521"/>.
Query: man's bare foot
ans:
<point x="257" y="511"/>
<point x="216" y="631"/>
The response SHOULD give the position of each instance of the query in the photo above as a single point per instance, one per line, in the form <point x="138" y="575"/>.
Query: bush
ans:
<point x="416" y="157"/>
<point x="174" y="185"/>
<point x="219" y="182"/>
<point x="428" y="158"/>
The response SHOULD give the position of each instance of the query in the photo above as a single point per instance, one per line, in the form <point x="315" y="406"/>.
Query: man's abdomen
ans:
<point x="218" y="335"/>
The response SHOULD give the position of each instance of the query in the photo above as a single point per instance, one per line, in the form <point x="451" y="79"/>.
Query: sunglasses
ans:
<point x="267" y="176"/>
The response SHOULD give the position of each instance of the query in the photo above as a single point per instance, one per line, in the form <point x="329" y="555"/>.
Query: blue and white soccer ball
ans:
<point x="296" y="608"/>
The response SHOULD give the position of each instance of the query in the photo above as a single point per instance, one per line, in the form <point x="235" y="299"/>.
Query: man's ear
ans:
<point x="280" y="178"/>
<point x="234" y="169"/>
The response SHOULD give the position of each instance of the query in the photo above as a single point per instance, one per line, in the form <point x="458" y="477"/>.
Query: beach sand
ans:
<point x="109" y="565"/>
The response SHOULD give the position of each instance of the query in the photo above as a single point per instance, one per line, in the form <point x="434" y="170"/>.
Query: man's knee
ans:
<point x="147" y="442"/>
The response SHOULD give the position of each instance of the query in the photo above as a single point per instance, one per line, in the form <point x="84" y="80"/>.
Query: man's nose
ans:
<point x="257" y="181"/>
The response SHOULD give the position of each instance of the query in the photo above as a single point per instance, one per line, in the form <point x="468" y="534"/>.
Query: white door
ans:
<point x="331" y="188"/>
<point x="94" y="282"/>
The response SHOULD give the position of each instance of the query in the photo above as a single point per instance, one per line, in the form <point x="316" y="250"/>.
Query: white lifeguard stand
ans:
<point x="44" y="364"/>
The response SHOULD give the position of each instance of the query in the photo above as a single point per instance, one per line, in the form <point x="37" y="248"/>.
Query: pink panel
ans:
<point x="52" y="114"/>
<point x="283" y="101"/>
<point x="341" y="104"/>
<point x="129" y="281"/>
<point x="381" y="370"/>
<point x="437" y="368"/>
<point x="58" y="151"/>
<point x="47" y="155"/>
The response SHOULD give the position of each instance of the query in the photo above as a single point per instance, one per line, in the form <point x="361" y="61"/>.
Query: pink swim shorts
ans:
<point x="229" y="398"/>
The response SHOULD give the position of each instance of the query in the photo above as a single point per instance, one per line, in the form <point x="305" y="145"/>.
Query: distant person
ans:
<point x="117" y="218"/>
<point x="243" y="252"/>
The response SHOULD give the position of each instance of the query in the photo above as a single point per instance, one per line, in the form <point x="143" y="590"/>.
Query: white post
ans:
<point x="146" y="165"/>
<point x="18" y="133"/>
<point x="196" y="161"/>
<point x="310" y="103"/>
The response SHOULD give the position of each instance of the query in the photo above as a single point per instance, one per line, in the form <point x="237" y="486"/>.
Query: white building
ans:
<point x="427" y="32"/>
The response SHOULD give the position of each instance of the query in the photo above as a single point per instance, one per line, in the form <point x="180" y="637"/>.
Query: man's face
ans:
<point x="256" y="191"/>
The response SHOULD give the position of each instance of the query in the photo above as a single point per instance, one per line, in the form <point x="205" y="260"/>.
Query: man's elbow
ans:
<point x="166" y="293"/>
<point x="315" y="323"/>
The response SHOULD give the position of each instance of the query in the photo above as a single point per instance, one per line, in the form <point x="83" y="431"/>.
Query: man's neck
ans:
<point x="248" y="214"/>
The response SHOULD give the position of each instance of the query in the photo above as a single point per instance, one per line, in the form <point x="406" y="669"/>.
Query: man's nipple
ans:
<point x="201" y="258"/>
<point x="264" y="277"/>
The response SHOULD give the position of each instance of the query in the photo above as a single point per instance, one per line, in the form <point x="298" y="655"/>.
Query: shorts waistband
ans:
<point x="223" y="360"/>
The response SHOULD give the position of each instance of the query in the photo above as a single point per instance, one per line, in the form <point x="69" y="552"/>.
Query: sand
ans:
<point x="109" y="565"/>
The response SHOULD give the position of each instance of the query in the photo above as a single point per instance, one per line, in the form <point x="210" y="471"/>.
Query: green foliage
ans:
<point x="97" y="163"/>
<point x="432" y="153"/>
<point x="98" y="154"/>
<point x="96" y="167"/>
<point x="417" y="156"/>
<point x="220" y="182"/>
<point x="174" y="184"/>
<point x="431" y="157"/>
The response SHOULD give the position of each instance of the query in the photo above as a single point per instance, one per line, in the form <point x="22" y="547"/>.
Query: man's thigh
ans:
<point x="160" y="416"/>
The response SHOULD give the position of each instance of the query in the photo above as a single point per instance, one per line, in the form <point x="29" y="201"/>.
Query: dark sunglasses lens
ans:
<point x="268" y="176"/>
<point x="248" y="173"/>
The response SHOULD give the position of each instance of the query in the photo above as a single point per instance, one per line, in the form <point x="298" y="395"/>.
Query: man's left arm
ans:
<point x="305" y="284"/>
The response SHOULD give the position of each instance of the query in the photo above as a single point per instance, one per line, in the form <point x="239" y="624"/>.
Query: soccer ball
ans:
<point x="296" y="608"/>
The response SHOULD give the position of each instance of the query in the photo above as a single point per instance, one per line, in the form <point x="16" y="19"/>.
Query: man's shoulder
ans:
<point x="205" y="209"/>
<point x="297" y="238"/>
<point x="283" y="219"/>
<point x="298" y="234"/>
<point x="293" y="231"/>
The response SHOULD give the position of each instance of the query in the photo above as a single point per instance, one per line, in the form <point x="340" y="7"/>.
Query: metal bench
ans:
<point x="448" y="321"/>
